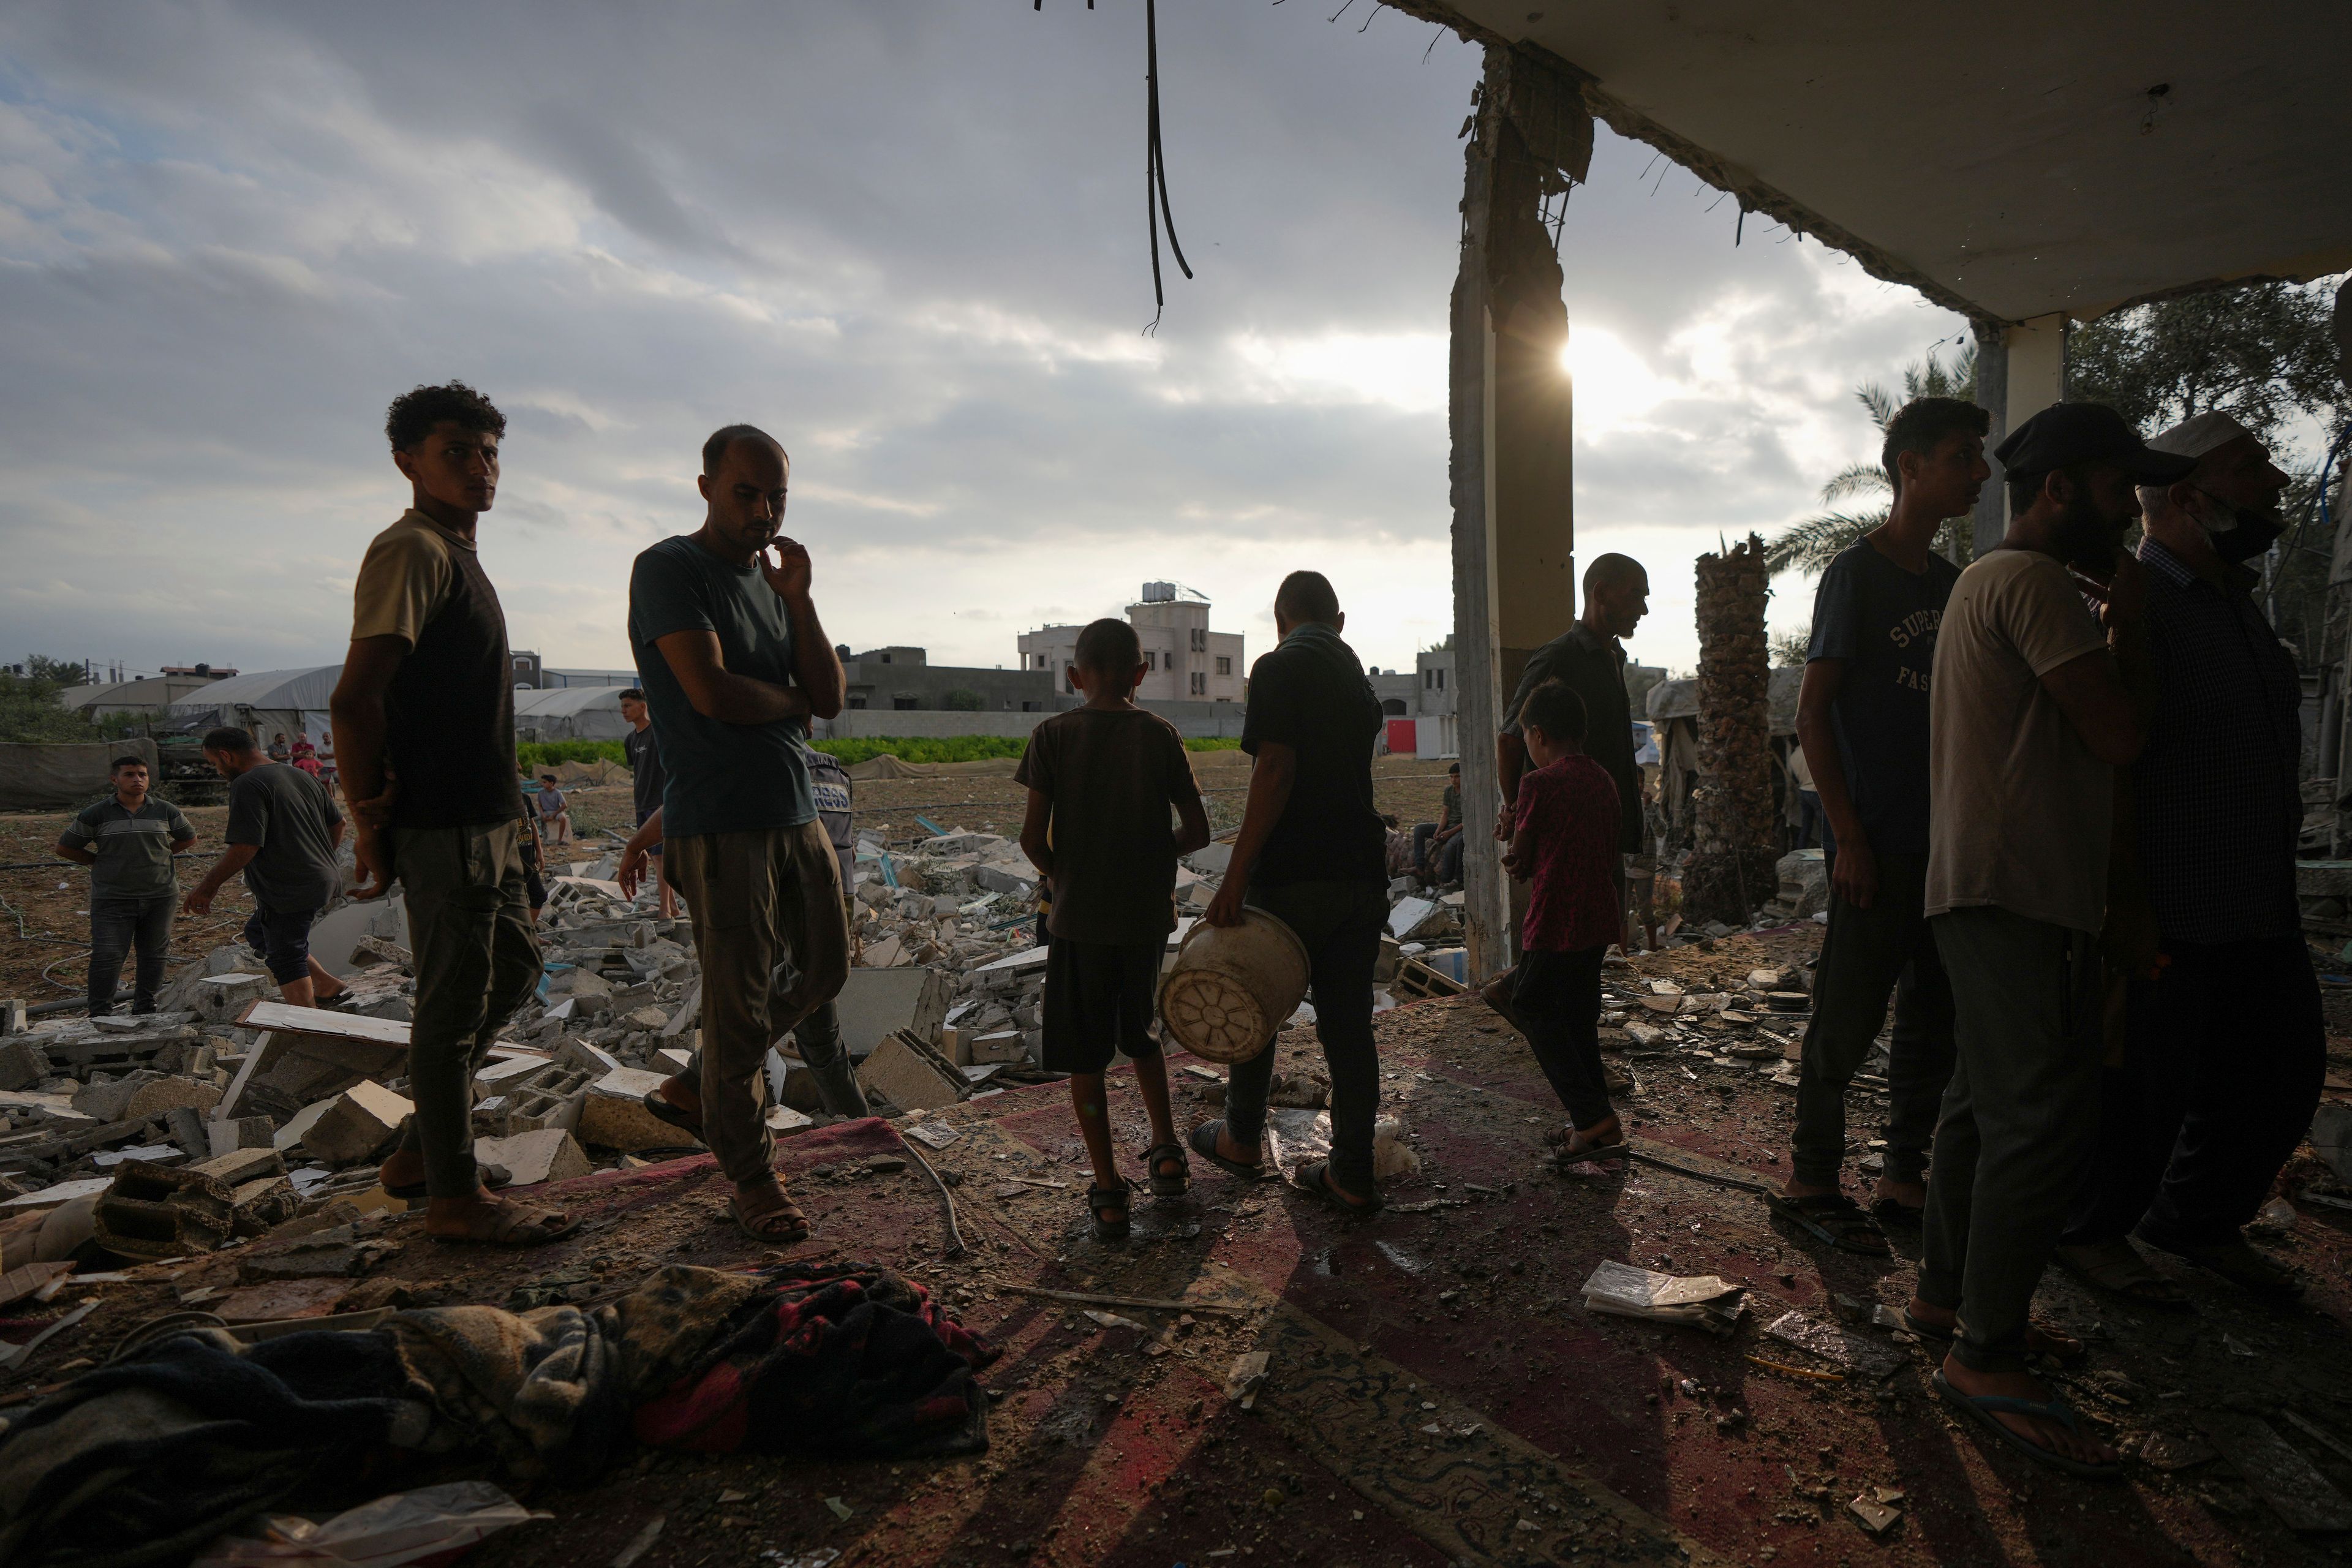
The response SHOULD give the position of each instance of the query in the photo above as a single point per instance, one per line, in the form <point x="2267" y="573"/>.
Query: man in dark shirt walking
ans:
<point x="647" y="779"/>
<point x="1312" y="852"/>
<point x="128" y="840"/>
<point x="1589" y="658"/>
<point x="2225" y="1050"/>
<point x="1862" y="718"/>
<point x="283" y="831"/>
<point x="734" y="662"/>
<point x="425" y="722"/>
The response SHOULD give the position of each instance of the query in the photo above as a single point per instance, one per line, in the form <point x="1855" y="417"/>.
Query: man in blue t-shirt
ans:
<point x="1862" y="718"/>
<point x="734" y="663"/>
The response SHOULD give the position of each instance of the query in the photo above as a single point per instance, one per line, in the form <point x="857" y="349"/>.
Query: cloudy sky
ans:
<point x="905" y="237"/>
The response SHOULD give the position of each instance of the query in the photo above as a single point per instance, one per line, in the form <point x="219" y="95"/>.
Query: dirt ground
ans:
<point x="1436" y="1390"/>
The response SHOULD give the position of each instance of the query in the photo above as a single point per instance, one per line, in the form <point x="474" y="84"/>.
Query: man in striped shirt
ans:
<point x="128" y="840"/>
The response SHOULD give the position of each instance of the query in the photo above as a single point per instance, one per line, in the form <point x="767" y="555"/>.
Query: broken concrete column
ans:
<point x="1732" y="870"/>
<point x="910" y="1075"/>
<point x="1511" y="408"/>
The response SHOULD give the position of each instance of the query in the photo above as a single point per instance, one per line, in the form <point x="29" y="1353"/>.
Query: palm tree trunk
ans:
<point x="1731" y="867"/>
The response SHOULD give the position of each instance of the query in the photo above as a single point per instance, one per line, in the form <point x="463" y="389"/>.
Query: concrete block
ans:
<point x="218" y="997"/>
<point x="548" y="1154"/>
<point x="552" y="1099"/>
<point x="186" y="1126"/>
<point x="14" y="1019"/>
<point x="244" y="1132"/>
<point x="1003" y="880"/>
<point x="672" y="1060"/>
<point x="877" y="1002"/>
<point x="164" y="1094"/>
<point x="593" y="1059"/>
<point x="22" y="1064"/>
<point x="242" y="1165"/>
<point x="614" y="1115"/>
<point x="998" y="1045"/>
<point x="910" y="1077"/>
<point x="148" y="1212"/>
<point x="356" y="1123"/>
<point x="261" y="1204"/>
<point x="578" y="985"/>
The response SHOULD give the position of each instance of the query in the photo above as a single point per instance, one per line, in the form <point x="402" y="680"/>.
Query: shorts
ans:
<point x="282" y="938"/>
<point x="1099" y="997"/>
<point x="534" y="891"/>
<point x="654" y="847"/>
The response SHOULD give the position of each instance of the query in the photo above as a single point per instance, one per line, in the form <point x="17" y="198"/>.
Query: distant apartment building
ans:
<point x="1183" y="660"/>
<point x="903" y="680"/>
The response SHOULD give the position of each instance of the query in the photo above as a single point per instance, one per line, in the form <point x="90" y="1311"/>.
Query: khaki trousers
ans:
<point x="756" y="897"/>
<point x="477" y="961"/>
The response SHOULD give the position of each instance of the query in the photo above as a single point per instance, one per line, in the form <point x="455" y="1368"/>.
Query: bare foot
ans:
<point x="496" y="1222"/>
<point x="2040" y="1338"/>
<point x="2034" y="1429"/>
<point x="1793" y="1188"/>
<point x="1910" y="1194"/>
<point x="405" y="1168"/>
<point x="1240" y="1154"/>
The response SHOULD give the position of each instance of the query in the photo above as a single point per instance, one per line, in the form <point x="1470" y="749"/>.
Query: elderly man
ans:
<point x="2224" y="1048"/>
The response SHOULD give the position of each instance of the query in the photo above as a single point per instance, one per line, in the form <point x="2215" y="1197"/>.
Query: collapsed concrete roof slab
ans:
<point x="2010" y="161"/>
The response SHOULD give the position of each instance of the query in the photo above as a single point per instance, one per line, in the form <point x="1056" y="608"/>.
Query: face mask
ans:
<point x="2238" y="533"/>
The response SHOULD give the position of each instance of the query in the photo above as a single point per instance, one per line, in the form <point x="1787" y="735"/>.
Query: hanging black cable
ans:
<point x="1155" y="165"/>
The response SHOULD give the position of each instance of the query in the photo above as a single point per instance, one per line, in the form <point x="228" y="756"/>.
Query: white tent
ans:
<point x="267" y="702"/>
<point x="570" y="713"/>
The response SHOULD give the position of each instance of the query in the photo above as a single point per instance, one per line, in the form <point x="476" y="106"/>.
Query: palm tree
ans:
<point x="1814" y="543"/>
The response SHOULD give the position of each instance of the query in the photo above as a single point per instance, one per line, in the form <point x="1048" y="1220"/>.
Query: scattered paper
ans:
<point x="1831" y="1342"/>
<point x="1702" y="1302"/>
<point x="1113" y="1320"/>
<point x="938" y="1135"/>
<point x="1246" y="1377"/>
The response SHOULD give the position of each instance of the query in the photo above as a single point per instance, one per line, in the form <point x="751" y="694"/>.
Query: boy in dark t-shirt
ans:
<point x="1862" y="718"/>
<point x="1101" y="779"/>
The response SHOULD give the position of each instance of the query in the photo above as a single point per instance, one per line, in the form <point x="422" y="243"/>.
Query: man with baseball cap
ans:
<point x="2224" y="1049"/>
<point x="2030" y="716"/>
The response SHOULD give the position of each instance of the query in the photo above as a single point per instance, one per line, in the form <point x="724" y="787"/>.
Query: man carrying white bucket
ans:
<point x="1312" y="852"/>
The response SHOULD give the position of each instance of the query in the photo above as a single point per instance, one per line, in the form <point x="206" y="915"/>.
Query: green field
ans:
<point x="536" y="754"/>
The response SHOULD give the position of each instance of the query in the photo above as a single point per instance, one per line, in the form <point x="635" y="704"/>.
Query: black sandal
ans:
<point x="1168" y="1186"/>
<point x="1101" y="1198"/>
<point x="1833" y="1220"/>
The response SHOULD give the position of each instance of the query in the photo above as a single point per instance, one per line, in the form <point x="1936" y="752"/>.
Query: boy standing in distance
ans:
<point x="1100" y="779"/>
<point x="1312" y="852"/>
<point x="127" y="841"/>
<point x="423" y="720"/>
<point x="283" y="830"/>
<point x="1862" y="726"/>
<point x="2032" y="716"/>
<point x="647" y="781"/>
<point x="734" y="662"/>
<point x="1566" y="845"/>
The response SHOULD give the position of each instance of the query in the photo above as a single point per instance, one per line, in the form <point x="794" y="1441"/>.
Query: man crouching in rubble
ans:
<point x="425" y="726"/>
<point x="733" y="663"/>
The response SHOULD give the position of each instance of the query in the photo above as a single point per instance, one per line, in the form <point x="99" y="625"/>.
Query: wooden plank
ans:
<point x="279" y="1016"/>
<point x="227" y="1109"/>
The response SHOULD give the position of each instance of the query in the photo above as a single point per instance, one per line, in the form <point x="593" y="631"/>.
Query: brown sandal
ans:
<point x="504" y="1223"/>
<point x="779" y="1226"/>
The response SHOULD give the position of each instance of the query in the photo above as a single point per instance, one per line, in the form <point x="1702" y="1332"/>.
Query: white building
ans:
<point x="1433" y="726"/>
<point x="1183" y="660"/>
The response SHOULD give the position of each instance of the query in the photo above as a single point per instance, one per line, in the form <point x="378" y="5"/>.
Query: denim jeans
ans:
<point x="116" y="925"/>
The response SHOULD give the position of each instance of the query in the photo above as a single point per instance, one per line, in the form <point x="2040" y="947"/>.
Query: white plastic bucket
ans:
<point x="1233" y="986"/>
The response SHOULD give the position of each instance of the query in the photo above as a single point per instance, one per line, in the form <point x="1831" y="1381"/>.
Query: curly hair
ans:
<point x="414" y="412"/>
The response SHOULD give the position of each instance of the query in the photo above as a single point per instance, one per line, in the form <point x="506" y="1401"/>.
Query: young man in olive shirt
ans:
<point x="1313" y="853"/>
<point x="1862" y="720"/>
<point x="128" y="840"/>
<point x="424" y="717"/>
<point x="733" y="662"/>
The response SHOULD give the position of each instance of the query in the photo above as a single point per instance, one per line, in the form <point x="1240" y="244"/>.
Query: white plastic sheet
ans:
<point x="407" y="1527"/>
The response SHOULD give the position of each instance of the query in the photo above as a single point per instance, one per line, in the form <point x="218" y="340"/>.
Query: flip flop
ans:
<point x="789" y="1216"/>
<point x="1168" y="1186"/>
<point x="1204" y="1139"/>
<point x="1833" y="1219"/>
<point x="2126" y="1274"/>
<point x="1591" y="1152"/>
<point x="516" y="1225"/>
<point x="2063" y="1348"/>
<point x="491" y="1176"/>
<point x="1981" y="1408"/>
<point x="1315" y="1178"/>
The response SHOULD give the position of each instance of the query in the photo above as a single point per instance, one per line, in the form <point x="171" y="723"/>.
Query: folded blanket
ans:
<point x="845" y="1360"/>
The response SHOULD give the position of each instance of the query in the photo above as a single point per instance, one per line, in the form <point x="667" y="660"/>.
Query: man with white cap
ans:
<point x="2224" y="1049"/>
